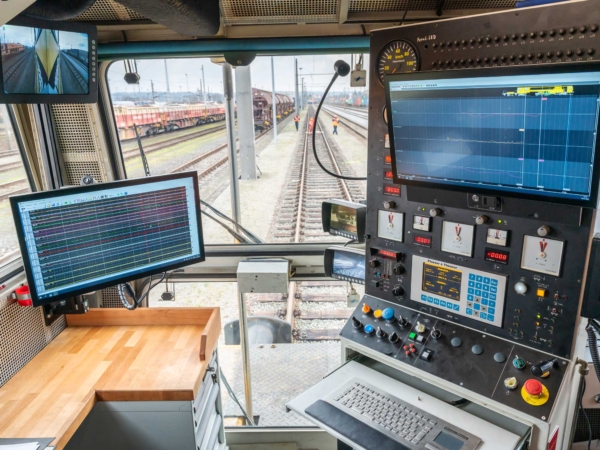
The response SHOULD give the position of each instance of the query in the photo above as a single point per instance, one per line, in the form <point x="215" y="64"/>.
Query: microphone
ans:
<point x="341" y="67"/>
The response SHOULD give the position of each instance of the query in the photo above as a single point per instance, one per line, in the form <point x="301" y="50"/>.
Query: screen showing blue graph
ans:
<point x="526" y="134"/>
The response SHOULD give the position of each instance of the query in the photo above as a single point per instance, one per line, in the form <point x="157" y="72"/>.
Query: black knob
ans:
<point x="514" y="36"/>
<point x="530" y="55"/>
<point x="572" y="30"/>
<point x="521" y="57"/>
<point x="456" y="43"/>
<point x="380" y="333"/>
<point x="559" y="53"/>
<point x="399" y="269"/>
<point x="455" y="62"/>
<point x="463" y="61"/>
<point x="486" y="60"/>
<point x="488" y="39"/>
<point x="393" y="337"/>
<point x="449" y="43"/>
<point x="435" y="45"/>
<point x="470" y="60"/>
<point x="542" y="33"/>
<point x="464" y="42"/>
<point x="552" y="32"/>
<point x="480" y="40"/>
<point x="478" y="60"/>
<point x="505" y="37"/>
<point x="503" y="58"/>
<point x="374" y="263"/>
<point x="540" y="369"/>
<point x="356" y="323"/>
<point x="523" y="35"/>
<point x="389" y="204"/>
<point x="496" y="38"/>
<point x="472" y="41"/>
<point x="448" y="62"/>
<point x="434" y="63"/>
<point x="561" y="31"/>
<point x="591" y="51"/>
<point x="583" y="28"/>
<point x="442" y="44"/>
<point x="495" y="59"/>
<point x="402" y="322"/>
<point x="435" y="212"/>
<point x="533" y="34"/>
<point x="436" y="334"/>
<point x="569" y="52"/>
<point x="580" y="52"/>
<point x="540" y="55"/>
<point x="512" y="57"/>
<point x="594" y="28"/>
<point x="398" y="291"/>
<point x="549" y="54"/>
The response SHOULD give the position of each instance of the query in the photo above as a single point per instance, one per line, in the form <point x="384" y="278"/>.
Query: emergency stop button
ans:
<point x="535" y="393"/>
<point x="533" y="387"/>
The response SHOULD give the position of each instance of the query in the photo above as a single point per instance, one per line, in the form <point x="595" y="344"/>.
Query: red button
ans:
<point x="533" y="387"/>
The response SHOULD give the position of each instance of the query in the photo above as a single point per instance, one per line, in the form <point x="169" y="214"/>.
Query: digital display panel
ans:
<point x="497" y="256"/>
<point x="389" y="189"/>
<point x="349" y="264"/>
<point x="343" y="218"/>
<point x="388" y="175"/>
<point x="526" y="134"/>
<point x="44" y="61"/>
<point x="442" y="281"/>
<point x="425" y="241"/>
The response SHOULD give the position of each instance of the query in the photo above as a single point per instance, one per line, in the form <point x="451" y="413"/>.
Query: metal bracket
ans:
<point x="72" y="305"/>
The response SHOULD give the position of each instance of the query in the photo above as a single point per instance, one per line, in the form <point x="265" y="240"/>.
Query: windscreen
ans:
<point x="80" y="240"/>
<point x="524" y="134"/>
<point x="44" y="61"/>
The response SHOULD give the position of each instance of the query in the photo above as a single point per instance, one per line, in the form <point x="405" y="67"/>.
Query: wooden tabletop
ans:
<point x="108" y="355"/>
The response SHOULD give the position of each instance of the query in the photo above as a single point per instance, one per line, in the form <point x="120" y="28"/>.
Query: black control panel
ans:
<point x="473" y="259"/>
<point x="488" y="366"/>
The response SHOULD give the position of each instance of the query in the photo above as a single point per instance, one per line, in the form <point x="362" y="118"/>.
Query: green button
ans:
<point x="412" y="336"/>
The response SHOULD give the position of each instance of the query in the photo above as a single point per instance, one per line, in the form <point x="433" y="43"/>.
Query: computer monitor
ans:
<point x="527" y="132"/>
<point x="81" y="239"/>
<point x="48" y="62"/>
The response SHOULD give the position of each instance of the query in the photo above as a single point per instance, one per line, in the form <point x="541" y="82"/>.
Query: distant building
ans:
<point x="9" y="49"/>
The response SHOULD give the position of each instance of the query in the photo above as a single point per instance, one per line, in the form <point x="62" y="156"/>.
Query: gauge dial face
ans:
<point x="397" y="57"/>
<point x="497" y="237"/>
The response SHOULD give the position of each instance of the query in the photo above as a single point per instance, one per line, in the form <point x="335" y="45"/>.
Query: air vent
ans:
<point x="358" y="6"/>
<point x="108" y="11"/>
<point x="247" y="12"/>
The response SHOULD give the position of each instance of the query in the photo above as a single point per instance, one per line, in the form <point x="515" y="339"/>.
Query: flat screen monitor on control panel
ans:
<point x="527" y="132"/>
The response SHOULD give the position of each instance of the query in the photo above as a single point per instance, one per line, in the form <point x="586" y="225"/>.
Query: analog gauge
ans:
<point x="397" y="57"/>
<point x="497" y="237"/>
<point x="457" y="238"/>
<point x="422" y="223"/>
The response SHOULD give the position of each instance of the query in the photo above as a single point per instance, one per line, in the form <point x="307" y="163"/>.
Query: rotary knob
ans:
<point x="480" y="220"/>
<point x="544" y="230"/>
<point x="436" y="334"/>
<point x="399" y="269"/>
<point x="380" y="333"/>
<point x="520" y="288"/>
<point x="389" y="204"/>
<point x="398" y="291"/>
<point x="356" y="323"/>
<point x="402" y="322"/>
<point x="435" y="212"/>
<point x="373" y="263"/>
<point x="393" y="337"/>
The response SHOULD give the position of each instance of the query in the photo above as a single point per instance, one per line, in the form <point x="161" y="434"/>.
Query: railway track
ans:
<point x="357" y="118"/>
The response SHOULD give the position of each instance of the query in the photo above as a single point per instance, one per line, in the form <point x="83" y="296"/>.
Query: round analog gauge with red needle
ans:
<point x="397" y="57"/>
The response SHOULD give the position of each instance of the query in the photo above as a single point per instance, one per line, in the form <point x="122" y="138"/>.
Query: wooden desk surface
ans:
<point x="148" y="354"/>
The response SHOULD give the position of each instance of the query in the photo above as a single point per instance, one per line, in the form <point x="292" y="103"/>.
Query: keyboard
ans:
<point x="399" y="421"/>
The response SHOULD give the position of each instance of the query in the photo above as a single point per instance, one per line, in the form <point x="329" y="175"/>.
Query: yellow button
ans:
<point x="366" y="309"/>
<point x="541" y="292"/>
<point x="377" y="313"/>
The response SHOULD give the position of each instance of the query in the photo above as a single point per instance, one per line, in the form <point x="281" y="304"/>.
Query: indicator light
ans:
<point x="541" y="292"/>
<point x="412" y="336"/>
<point x="539" y="316"/>
<point x="377" y="313"/>
<point x="499" y="220"/>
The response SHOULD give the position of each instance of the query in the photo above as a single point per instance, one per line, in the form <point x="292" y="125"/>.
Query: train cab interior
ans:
<point x="299" y="225"/>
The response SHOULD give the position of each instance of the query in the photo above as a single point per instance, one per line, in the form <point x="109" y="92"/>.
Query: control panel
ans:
<point x="502" y="265"/>
<point x="507" y="373"/>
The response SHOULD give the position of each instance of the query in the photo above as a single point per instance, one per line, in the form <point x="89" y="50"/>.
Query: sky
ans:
<point x="69" y="40"/>
<point x="24" y="35"/>
<point x="317" y="70"/>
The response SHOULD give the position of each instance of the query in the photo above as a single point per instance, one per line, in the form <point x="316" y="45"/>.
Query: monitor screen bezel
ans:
<point x="495" y="72"/>
<point x="75" y="27"/>
<point x="15" y="200"/>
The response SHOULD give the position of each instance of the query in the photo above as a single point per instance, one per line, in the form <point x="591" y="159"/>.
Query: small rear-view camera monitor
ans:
<point x="343" y="218"/>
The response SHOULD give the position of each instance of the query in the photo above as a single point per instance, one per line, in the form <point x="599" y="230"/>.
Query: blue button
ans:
<point x="455" y="307"/>
<point x="490" y="318"/>
<point x="368" y="328"/>
<point x="493" y="289"/>
<point x="471" y="276"/>
<point x="486" y="287"/>
<point x="479" y="278"/>
<point x="486" y="280"/>
<point x="470" y="297"/>
<point x="469" y="311"/>
<point x="478" y="285"/>
<point x="449" y="305"/>
<point x="443" y="303"/>
<point x="494" y="282"/>
<point x="423" y="297"/>
<point x="492" y="303"/>
<point x="483" y="316"/>
<point x="436" y="301"/>
<point x="478" y="293"/>
<point x="484" y="301"/>
<point x="485" y="294"/>
<point x="471" y="291"/>
<point x="388" y="314"/>
<point x="471" y="284"/>
<point x="492" y="310"/>
<point x="430" y="299"/>
<point x="477" y="306"/>
<point x="492" y="296"/>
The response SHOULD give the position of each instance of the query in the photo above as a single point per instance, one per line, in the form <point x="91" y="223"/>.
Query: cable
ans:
<point x="351" y="241"/>
<point x="233" y="396"/>
<point x="405" y="13"/>
<point x="251" y="235"/>
<point x="587" y="419"/>
<point x="122" y="287"/>
<point x="231" y="231"/>
<point x="314" y="134"/>
<point x="593" y="343"/>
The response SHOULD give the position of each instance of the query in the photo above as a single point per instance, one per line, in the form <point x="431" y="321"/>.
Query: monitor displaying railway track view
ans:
<point x="46" y="61"/>
<point x="81" y="239"/>
<point x="530" y="133"/>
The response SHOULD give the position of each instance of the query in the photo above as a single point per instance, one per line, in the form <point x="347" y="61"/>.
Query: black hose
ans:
<point x="593" y="343"/>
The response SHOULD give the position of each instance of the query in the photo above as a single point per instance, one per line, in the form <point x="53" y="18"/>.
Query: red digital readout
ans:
<point x="388" y="254"/>
<point x="391" y="190"/>
<point x="389" y="175"/>
<point x="388" y="159"/>
<point x="497" y="256"/>
<point x="422" y="240"/>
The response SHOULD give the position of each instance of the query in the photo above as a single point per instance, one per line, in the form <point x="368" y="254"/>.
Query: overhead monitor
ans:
<point x="81" y="239"/>
<point x="48" y="62"/>
<point x="529" y="132"/>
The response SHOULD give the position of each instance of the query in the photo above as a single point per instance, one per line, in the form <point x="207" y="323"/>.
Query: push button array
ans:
<point x="481" y="297"/>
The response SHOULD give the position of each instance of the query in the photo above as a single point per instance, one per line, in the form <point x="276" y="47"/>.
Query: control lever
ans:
<point x="402" y="322"/>
<point x="542" y="369"/>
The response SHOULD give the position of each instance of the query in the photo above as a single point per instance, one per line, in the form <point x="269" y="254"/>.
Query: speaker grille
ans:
<point x="357" y="6"/>
<point x="240" y="12"/>
<point x="582" y="432"/>
<point x="108" y="10"/>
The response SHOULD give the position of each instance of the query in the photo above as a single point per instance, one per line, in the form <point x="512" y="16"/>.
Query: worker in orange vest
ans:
<point x="335" y="122"/>
<point x="311" y="125"/>
<point x="297" y="121"/>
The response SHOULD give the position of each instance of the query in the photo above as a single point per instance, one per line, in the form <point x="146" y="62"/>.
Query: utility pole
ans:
<point x="187" y="89"/>
<point x="203" y="86"/>
<point x="152" y="86"/>
<point x="168" y="88"/>
<point x="297" y="102"/>
<point x="303" y="99"/>
<point x="274" y="101"/>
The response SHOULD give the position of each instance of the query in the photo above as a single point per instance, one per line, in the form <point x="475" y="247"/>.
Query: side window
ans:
<point x="177" y="112"/>
<point x="13" y="181"/>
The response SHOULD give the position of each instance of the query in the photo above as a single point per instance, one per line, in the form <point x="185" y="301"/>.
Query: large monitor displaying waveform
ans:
<point x="529" y="132"/>
<point x="86" y="238"/>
